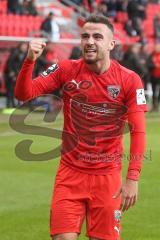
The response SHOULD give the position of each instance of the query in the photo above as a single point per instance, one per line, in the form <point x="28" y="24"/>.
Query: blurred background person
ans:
<point x="156" y="25"/>
<point x="143" y="57"/>
<point x="154" y="67"/>
<point x="112" y="8"/>
<point x="50" y="28"/>
<point x="129" y="28"/>
<point x="132" y="60"/>
<point x="118" y="53"/>
<point x="28" y="7"/>
<point x="121" y="5"/>
<point x="101" y="8"/>
<point x="12" y="69"/>
<point x="76" y="53"/>
<point x="13" y="6"/>
<point x="136" y="13"/>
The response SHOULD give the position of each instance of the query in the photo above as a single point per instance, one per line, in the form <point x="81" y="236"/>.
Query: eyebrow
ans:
<point x="85" y="34"/>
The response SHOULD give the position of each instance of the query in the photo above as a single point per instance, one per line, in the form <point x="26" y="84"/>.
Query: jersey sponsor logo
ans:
<point x="73" y="85"/>
<point x="140" y="97"/>
<point x="49" y="70"/>
<point x="113" y="91"/>
<point x="91" y="119"/>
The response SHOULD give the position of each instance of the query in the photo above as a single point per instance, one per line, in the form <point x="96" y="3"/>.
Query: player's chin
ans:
<point x="90" y="60"/>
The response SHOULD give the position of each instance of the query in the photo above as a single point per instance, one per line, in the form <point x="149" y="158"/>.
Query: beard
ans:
<point x="90" y="61"/>
<point x="94" y="59"/>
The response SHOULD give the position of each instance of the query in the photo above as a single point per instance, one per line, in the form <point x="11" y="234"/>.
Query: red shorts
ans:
<point x="78" y="195"/>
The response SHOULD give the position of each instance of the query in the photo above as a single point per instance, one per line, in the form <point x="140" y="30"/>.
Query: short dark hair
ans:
<point x="99" y="18"/>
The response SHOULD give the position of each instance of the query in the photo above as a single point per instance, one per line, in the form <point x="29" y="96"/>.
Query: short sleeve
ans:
<point x="135" y="99"/>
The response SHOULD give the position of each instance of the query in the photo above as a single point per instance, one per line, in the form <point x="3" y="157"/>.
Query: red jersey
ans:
<point x="95" y="107"/>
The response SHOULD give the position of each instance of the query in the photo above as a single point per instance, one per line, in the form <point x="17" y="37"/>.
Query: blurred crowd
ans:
<point x="49" y="27"/>
<point x="135" y="14"/>
<point x="22" y="7"/>
<point x="135" y="10"/>
<point x="134" y="57"/>
<point x="132" y="19"/>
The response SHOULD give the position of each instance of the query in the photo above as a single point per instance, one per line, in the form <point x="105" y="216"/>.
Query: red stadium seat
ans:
<point x="148" y="28"/>
<point x="121" y="17"/>
<point x="3" y="7"/>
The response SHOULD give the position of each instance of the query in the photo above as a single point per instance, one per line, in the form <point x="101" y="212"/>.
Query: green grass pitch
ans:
<point x="26" y="187"/>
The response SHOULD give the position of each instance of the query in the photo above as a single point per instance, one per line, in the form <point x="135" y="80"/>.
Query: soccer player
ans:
<point x="99" y="95"/>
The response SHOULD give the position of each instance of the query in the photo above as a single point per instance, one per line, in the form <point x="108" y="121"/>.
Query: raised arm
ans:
<point x="27" y="88"/>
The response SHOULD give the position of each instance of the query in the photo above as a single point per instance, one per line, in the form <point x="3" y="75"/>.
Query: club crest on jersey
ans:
<point x="117" y="215"/>
<point x="52" y="68"/>
<point x="113" y="91"/>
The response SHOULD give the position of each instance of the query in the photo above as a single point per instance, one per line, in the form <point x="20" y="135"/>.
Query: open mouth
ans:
<point x="90" y="51"/>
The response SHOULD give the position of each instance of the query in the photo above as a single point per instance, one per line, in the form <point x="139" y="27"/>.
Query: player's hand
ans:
<point x="129" y="191"/>
<point x="35" y="49"/>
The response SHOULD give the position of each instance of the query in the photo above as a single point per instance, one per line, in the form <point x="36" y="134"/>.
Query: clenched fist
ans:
<point x="35" y="49"/>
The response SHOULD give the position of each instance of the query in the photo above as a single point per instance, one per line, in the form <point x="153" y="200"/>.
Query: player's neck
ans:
<point x="99" y="67"/>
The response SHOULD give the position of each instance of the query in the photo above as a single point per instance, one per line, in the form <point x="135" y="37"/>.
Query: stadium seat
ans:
<point x="3" y="7"/>
<point x="121" y="17"/>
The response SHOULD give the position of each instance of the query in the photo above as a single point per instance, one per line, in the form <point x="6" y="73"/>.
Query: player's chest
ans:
<point x="94" y="89"/>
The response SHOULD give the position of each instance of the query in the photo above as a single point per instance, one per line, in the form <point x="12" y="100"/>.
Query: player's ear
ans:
<point x="112" y="45"/>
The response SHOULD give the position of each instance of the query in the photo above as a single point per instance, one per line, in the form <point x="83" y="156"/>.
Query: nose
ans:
<point x="90" y="40"/>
